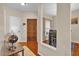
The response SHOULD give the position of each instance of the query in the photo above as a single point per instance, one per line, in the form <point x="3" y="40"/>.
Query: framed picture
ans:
<point x="74" y="20"/>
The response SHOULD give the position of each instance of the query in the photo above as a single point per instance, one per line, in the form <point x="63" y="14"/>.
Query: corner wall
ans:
<point x="1" y="26"/>
<point x="63" y="32"/>
<point x="1" y="21"/>
<point x="75" y="27"/>
<point x="20" y="14"/>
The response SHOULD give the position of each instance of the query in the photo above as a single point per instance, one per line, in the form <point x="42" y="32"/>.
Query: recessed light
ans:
<point x="24" y="4"/>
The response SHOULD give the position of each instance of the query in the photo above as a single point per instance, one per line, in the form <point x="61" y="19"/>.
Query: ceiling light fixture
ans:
<point x="24" y="4"/>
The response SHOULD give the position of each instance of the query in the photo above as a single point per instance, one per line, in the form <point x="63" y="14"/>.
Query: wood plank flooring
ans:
<point x="75" y="50"/>
<point x="25" y="44"/>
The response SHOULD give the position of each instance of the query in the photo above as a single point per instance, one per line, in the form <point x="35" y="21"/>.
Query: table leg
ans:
<point x="22" y="52"/>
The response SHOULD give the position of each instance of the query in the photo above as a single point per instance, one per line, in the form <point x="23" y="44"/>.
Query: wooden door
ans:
<point x="32" y="35"/>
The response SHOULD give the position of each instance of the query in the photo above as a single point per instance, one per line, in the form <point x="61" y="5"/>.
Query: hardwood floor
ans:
<point x="25" y="44"/>
<point x="75" y="50"/>
<point x="32" y="45"/>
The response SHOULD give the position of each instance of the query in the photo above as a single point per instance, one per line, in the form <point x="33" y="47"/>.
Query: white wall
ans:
<point x="28" y="15"/>
<point x="53" y="23"/>
<point x="63" y="29"/>
<point x="12" y="18"/>
<point x="10" y="12"/>
<point x="6" y="12"/>
<point x="63" y="32"/>
<point x="75" y="27"/>
<point x="16" y="27"/>
<point x="21" y="15"/>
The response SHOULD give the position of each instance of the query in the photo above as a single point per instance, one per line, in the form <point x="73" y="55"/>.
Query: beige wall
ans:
<point x="63" y="32"/>
<point x="1" y="26"/>
<point x="1" y="21"/>
<point x="75" y="27"/>
<point x="63" y="29"/>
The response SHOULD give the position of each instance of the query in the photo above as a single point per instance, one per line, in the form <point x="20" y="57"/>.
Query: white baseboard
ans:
<point x="40" y="54"/>
<point x="75" y="41"/>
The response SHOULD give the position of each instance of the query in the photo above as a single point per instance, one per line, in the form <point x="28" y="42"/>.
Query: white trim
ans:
<point x="41" y="21"/>
<point x="25" y="28"/>
<point x="40" y="54"/>
<point x="51" y="47"/>
<point x="4" y="11"/>
<point x="75" y="41"/>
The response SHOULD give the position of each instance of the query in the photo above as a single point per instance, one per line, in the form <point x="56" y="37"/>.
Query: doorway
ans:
<point x="32" y="35"/>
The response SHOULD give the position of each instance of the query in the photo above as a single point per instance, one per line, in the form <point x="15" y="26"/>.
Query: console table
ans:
<point x="5" y="51"/>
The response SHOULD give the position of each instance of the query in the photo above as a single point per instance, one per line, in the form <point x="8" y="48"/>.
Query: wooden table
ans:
<point x="5" y="51"/>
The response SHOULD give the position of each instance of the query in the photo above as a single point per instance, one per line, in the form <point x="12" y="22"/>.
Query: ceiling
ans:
<point x="27" y="7"/>
<point x="74" y="6"/>
<point x="48" y="7"/>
